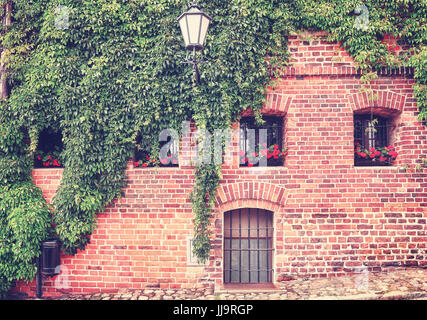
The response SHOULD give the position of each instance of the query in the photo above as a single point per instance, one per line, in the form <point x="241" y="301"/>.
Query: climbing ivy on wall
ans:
<point x="113" y="72"/>
<point x="403" y="19"/>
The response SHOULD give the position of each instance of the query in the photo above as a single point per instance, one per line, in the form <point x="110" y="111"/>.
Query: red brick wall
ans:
<point x="329" y="216"/>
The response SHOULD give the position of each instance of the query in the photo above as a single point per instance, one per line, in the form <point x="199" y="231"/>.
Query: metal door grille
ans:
<point x="248" y="246"/>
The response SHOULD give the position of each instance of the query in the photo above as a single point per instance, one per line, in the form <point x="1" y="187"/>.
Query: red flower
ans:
<point x="276" y="147"/>
<point x="372" y="149"/>
<point x="383" y="158"/>
<point x="145" y="165"/>
<point x="363" y="155"/>
<point x="136" y="163"/>
<point x="372" y="155"/>
<point x="38" y="158"/>
<point x="377" y="153"/>
<point x="250" y="164"/>
<point x="254" y="154"/>
<point x="148" y="158"/>
<point x="55" y="163"/>
<point x="394" y="154"/>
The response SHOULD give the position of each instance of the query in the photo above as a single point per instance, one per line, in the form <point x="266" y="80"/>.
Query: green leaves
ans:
<point x="25" y="223"/>
<point x="202" y="198"/>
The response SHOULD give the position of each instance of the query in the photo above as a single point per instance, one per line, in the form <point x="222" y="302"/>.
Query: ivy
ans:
<point x="114" y="72"/>
<point x="203" y="198"/>
<point x="25" y="220"/>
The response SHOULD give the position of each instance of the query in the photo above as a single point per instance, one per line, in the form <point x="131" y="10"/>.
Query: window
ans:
<point x="248" y="246"/>
<point x="371" y="138"/>
<point x="49" y="149"/>
<point x="261" y="144"/>
<point x="168" y="157"/>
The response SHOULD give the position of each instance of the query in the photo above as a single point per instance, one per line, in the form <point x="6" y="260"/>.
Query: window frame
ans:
<point x="50" y="142"/>
<point x="140" y="154"/>
<point x="275" y="137"/>
<point x="235" y="233"/>
<point x="369" y="139"/>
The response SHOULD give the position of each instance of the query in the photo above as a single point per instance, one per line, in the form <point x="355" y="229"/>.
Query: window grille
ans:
<point x="172" y="156"/>
<point x="248" y="246"/>
<point x="368" y="135"/>
<point x="252" y="136"/>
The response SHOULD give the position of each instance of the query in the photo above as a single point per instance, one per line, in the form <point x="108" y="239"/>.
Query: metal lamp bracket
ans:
<point x="195" y="63"/>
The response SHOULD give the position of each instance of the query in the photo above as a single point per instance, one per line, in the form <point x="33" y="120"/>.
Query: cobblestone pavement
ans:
<point x="390" y="284"/>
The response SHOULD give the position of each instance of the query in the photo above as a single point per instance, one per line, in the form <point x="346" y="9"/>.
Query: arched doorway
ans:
<point x="248" y="246"/>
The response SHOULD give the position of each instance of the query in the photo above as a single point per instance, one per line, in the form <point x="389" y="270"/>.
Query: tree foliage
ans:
<point x="116" y="72"/>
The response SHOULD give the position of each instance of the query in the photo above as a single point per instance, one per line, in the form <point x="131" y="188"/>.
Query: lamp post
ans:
<point x="194" y="25"/>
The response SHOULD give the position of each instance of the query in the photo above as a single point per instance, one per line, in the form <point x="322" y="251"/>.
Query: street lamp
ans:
<point x="194" y="25"/>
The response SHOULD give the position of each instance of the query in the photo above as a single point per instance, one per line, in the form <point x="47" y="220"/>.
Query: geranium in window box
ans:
<point x="378" y="156"/>
<point x="170" y="160"/>
<point x="47" y="159"/>
<point x="273" y="154"/>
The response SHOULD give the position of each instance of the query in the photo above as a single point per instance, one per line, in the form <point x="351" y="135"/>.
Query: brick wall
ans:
<point x="329" y="216"/>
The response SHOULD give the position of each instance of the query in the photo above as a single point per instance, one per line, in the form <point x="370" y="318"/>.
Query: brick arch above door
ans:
<point x="251" y="195"/>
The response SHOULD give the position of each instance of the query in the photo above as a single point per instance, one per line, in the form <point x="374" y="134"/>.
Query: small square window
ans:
<point x="143" y="158"/>
<point x="261" y="143"/>
<point x="49" y="149"/>
<point x="371" y="139"/>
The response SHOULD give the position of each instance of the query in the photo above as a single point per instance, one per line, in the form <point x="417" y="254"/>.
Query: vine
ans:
<point x="114" y="73"/>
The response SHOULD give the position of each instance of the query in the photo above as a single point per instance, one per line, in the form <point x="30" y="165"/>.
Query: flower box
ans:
<point x="374" y="156"/>
<point x="273" y="154"/>
<point x="370" y="163"/>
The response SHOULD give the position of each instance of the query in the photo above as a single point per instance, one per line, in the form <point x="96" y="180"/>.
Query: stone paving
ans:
<point x="391" y="284"/>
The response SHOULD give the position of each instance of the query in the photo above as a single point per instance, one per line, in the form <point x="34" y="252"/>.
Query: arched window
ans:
<point x="248" y="246"/>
